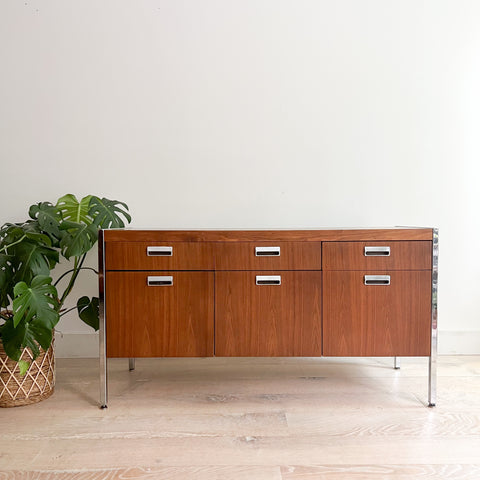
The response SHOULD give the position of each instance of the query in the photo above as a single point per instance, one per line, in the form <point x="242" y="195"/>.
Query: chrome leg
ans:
<point x="131" y="364"/>
<point x="396" y="363"/>
<point x="432" y="364"/>
<point x="102" y="333"/>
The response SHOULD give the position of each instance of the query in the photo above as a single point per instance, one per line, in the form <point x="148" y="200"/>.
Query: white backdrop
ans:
<point x="252" y="113"/>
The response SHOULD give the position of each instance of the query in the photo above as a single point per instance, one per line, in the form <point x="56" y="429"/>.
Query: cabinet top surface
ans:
<point x="238" y="235"/>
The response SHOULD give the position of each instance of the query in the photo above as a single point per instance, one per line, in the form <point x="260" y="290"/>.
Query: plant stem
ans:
<point x="77" y="266"/>
<point x="12" y="244"/>
<point x="72" y="270"/>
<point x="66" y="311"/>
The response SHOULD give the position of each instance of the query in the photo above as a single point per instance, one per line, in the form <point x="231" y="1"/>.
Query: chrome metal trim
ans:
<point x="102" y="321"/>
<point x="131" y="364"/>
<point x="376" y="251"/>
<point x="432" y="363"/>
<point x="268" y="280"/>
<point x="376" y="279"/>
<point x="160" y="281"/>
<point x="396" y="363"/>
<point x="159" y="251"/>
<point x="267" y="251"/>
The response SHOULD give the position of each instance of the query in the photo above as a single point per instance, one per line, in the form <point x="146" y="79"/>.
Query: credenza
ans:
<point x="268" y="293"/>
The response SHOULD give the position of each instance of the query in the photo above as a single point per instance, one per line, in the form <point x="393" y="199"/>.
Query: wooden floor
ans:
<point x="255" y="419"/>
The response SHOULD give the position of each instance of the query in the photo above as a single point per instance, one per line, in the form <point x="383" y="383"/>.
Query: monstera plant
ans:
<point x="31" y="303"/>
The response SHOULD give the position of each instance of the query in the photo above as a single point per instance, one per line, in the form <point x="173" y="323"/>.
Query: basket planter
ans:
<point x="36" y="385"/>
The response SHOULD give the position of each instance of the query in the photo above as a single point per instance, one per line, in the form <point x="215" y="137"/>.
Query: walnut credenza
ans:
<point x="204" y="293"/>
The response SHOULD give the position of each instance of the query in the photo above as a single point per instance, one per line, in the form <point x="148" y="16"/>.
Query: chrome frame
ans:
<point x="102" y="332"/>
<point x="432" y="363"/>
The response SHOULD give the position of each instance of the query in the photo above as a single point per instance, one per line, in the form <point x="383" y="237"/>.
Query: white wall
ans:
<point x="253" y="113"/>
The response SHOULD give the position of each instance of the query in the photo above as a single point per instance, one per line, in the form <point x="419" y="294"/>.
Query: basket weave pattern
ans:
<point x="36" y="385"/>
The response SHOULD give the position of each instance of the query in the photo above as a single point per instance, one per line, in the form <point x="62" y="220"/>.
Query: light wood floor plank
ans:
<point x="382" y="472"/>
<point x="152" y="473"/>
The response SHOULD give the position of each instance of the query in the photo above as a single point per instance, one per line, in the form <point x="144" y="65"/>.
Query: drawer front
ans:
<point x="400" y="255"/>
<point x="158" y="256"/>
<point x="268" y="313"/>
<point x="268" y="256"/>
<point x="381" y="313"/>
<point x="159" y="314"/>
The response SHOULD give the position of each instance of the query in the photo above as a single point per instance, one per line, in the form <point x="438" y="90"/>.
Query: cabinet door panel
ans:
<point x="268" y="320"/>
<point x="376" y="320"/>
<point x="159" y="320"/>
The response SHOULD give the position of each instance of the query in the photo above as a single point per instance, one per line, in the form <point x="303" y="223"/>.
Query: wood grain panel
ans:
<point x="376" y="320"/>
<point x="293" y="256"/>
<point x="407" y="255"/>
<point x="313" y="235"/>
<point x="268" y="320"/>
<point x="133" y="256"/>
<point x="159" y="321"/>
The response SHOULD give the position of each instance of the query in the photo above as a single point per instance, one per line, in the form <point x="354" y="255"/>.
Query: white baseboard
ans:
<point x="85" y="345"/>
<point x="459" y="342"/>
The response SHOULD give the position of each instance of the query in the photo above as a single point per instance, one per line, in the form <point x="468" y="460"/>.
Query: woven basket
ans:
<point x="36" y="385"/>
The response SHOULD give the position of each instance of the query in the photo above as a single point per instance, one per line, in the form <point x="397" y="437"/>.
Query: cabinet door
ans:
<point x="255" y="318"/>
<point x="376" y="319"/>
<point x="146" y="316"/>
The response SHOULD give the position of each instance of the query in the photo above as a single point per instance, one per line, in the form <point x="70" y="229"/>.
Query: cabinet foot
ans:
<point x="131" y="364"/>
<point x="396" y="363"/>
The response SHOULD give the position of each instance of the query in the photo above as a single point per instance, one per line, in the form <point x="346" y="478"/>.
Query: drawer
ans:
<point x="268" y="313"/>
<point x="397" y="255"/>
<point x="268" y="256"/>
<point x="159" y="314"/>
<point x="384" y="313"/>
<point x="158" y="256"/>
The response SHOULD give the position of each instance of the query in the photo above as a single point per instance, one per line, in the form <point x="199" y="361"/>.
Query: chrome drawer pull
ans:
<point x="267" y="251"/>
<point x="160" y="281"/>
<point x="268" y="280"/>
<point x="377" y="279"/>
<point x="377" y="251"/>
<point x="159" y="251"/>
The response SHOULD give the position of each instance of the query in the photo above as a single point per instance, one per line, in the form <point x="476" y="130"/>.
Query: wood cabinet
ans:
<point x="363" y="292"/>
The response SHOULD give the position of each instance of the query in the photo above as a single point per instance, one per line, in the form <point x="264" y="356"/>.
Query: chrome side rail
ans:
<point x="432" y="364"/>
<point x="102" y="332"/>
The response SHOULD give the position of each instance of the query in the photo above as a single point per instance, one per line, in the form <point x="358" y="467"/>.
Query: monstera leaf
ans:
<point x="26" y="334"/>
<point x="35" y="302"/>
<point x="88" y="311"/>
<point x="32" y="259"/>
<point x="34" y="232"/>
<point x="75" y="211"/>
<point x="48" y="217"/>
<point x="11" y="233"/>
<point x="78" y="239"/>
<point x="108" y="213"/>
<point x="6" y="279"/>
